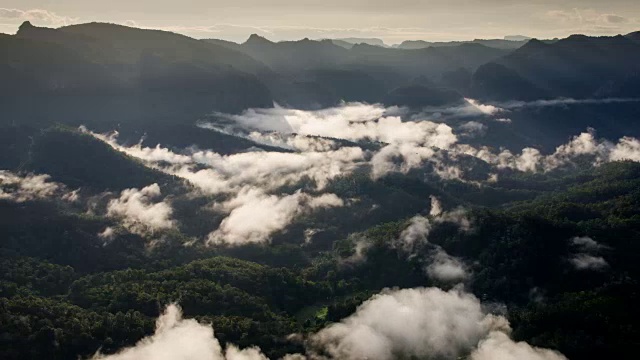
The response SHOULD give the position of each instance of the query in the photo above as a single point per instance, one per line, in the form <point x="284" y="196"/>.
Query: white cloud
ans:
<point x="564" y="101"/>
<point x="408" y="323"/>
<point x="484" y="108"/>
<point x="254" y="215"/>
<point x="415" y="234"/>
<point x="586" y="243"/>
<point x="498" y="346"/>
<point x="588" y="262"/>
<point x="446" y="268"/>
<point x="473" y="128"/>
<point x="250" y="181"/>
<point x="253" y="180"/>
<point x="424" y="323"/>
<point x="107" y="234"/>
<point x="436" y="206"/>
<point x="25" y="188"/>
<point x="351" y="121"/>
<point x="439" y="264"/>
<point x="176" y="338"/>
<point x="39" y="16"/>
<point x="627" y="148"/>
<point x="72" y="196"/>
<point x="139" y="212"/>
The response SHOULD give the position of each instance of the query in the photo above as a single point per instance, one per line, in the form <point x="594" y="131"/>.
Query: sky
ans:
<point x="391" y="21"/>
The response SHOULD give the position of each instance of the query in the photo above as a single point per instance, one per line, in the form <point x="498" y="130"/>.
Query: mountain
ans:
<point x="484" y="228"/>
<point x="635" y="36"/>
<point x="510" y="44"/>
<point x="578" y="66"/>
<point x="495" y="81"/>
<point x="368" y="41"/>
<point x="80" y="160"/>
<point x="517" y="38"/>
<point x="330" y="73"/>
<point x="292" y="56"/>
<point x="123" y="73"/>
<point x="342" y="43"/>
<point x="419" y="96"/>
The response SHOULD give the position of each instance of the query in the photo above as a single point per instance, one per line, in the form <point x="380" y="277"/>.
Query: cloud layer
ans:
<point x="326" y="144"/>
<point x="139" y="211"/>
<point x="176" y="338"/>
<point x="426" y="323"/>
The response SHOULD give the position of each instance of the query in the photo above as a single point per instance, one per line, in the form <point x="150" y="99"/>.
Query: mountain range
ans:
<point x="124" y="75"/>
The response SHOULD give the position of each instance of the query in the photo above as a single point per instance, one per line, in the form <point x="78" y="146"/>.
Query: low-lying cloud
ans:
<point x="439" y="265"/>
<point x="425" y="323"/>
<point x="250" y="183"/>
<point x="140" y="212"/>
<point x="176" y="338"/>
<point x="254" y="215"/>
<point x="29" y="187"/>
<point x="588" y="262"/>
<point x="587" y="256"/>
<point x="324" y="145"/>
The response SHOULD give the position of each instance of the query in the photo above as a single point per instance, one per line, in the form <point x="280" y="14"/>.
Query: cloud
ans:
<point x="250" y="182"/>
<point x="415" y="234"/>
<point x="532" y="160"/>
<point x="585" y="20"/>
<point x="26" y="188"/>
<point x="426" y="323"/>
<point x="138" y="211"/>
<point x="107" y="234"/>
<point x="231" y="173"/>
<point x="72" y="196"/>
<point x="565" y="101"/>
<point x="351" y="121"/>
<point x="409" y="323"/>
<point x="239" y="32"/>
<point x="316" y="154"/>
<point x="293" y="141"/>
<point x="586" y="243"/>
<point x="176" y="338"/>
<point x="627" y="148"/>
<point x="254" y="215"/>
<point x="588" y="262"/>
<point x="473" y="128"/>
<point x="587" y="258"/>
<point x="498" y="346"/>
<point x="484" y="108"/>
<point x="254" y="180"/>
<point x="614" y="19"/>
<point x="38" y="16"/>
<point x="446" y="268"/>
<point x="436" y="206"/>
<point x="439" y="264"/>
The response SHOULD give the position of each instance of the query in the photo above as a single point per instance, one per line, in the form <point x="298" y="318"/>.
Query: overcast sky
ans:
<point x="392" y="21"/>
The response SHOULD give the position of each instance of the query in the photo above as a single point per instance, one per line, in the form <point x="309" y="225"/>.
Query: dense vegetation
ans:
<point x="65" y="292"/>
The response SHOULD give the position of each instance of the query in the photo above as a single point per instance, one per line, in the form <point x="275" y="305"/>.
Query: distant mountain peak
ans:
<point x="532" y="46"/>
<point x="516" y="38"/>
<point x="257" y="39"/>
<point x="25" y="26"/>
<point x="633" y="36"/>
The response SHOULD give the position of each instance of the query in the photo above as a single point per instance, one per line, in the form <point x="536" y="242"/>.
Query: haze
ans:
<point x="393" y="22"/>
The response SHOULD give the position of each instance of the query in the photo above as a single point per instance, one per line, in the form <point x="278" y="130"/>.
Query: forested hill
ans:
<point x="69" y="290"/>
